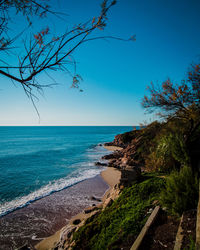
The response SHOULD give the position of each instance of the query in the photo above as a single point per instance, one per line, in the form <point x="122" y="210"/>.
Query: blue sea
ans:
<point x="38" y="161"/>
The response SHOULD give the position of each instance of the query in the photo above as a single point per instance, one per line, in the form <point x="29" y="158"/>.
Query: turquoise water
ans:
<point x="37" y="161"/>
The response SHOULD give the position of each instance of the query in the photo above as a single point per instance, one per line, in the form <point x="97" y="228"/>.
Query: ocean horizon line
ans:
<point x="69" y="125"/>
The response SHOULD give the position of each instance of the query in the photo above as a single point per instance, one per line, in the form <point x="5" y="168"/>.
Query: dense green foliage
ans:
<point x="145" y="139"/>
<point x="168" y="152"/>
<point x="121" y="221"/>
<point x="181" y="191"/>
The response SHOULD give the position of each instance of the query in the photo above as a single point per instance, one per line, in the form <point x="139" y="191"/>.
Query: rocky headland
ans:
<point x="125" y="157"/>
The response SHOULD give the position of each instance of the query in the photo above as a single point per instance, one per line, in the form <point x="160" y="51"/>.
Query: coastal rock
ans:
<point x="113" y="194"/>
<point x="110" y="203"/>
<point x="127" y="160"/>
<point x="112" y="163"/>
<point x="125" y="157"/>
<point x="89" y="210"/>
<point x="77" y="221"/>
<point x="122" y="140"/>
<point x="109" y="144"/>
<point x="96" y="199"/>
<point x="102" y="164"/>
<point x="65" y="238"/>
<point x="118" y="142"/>
<point x="108" y="157"/>
<point x="129" y="174"/>
<point x="115" y="155"/>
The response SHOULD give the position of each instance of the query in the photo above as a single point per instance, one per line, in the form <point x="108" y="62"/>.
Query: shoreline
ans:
<point x="112" y="177"/>
<point x="46" y="216"/>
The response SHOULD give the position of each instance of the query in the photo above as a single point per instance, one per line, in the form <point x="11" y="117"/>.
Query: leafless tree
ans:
<point x="178" y="101"/>
<point x="42" y="51"/>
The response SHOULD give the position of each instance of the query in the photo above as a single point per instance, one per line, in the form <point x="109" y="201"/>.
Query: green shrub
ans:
<point x="181" y="191"/>
<point x="129" y="136"/>
<point x="169" y="152"/>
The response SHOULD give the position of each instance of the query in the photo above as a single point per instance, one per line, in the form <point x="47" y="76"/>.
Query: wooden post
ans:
<point x="179" y="236"/>
<point x="145" y="229"/>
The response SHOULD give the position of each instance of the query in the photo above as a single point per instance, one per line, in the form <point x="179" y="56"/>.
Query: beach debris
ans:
<point x="76" y="221"/>
<point x="89" y="210"/>
<point x="96" y="199"/>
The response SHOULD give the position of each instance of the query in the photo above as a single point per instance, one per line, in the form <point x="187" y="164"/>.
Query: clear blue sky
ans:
<point x="115" y="73"/>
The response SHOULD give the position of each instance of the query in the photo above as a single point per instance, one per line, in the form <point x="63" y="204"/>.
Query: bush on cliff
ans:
<point x="181" y="192"/>
<point x="169" y="153"/>
<point x="143" y="141"/>
<point x="179" y="105"/>
<point x="128" y="136"/>
<point x="123" y="220"/>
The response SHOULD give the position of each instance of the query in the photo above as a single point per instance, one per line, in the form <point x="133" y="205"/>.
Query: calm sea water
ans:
<point x="37" y="161"/>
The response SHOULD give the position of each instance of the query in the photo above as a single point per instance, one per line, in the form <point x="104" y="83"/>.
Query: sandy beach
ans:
<point x="44" y="217"/>
<point x="112" y="148"/>
<point x="111" y="176"/>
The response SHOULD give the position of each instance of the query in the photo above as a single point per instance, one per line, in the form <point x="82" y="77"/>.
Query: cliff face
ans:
<point x="123" y="140"/>
<point x="136" y="147"/>
<point x="126" y="159"/>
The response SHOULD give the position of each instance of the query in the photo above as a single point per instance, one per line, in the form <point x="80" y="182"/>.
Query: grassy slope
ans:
<point x="123" y="220"/>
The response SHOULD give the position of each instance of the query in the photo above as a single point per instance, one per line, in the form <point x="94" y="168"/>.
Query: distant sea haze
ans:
<point x="38" y="161"/>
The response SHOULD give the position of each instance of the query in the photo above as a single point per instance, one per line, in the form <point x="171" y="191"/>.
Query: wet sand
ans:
<point x="46" y="216"/>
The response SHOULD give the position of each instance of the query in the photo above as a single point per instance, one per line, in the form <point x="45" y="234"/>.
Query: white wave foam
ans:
<point x="50" y="188"/>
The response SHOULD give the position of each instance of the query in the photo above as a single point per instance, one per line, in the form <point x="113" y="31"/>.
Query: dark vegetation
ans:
<point x="169" y="147"/>
<point x="181" y="192"/>
<point x="189" y="224"/>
